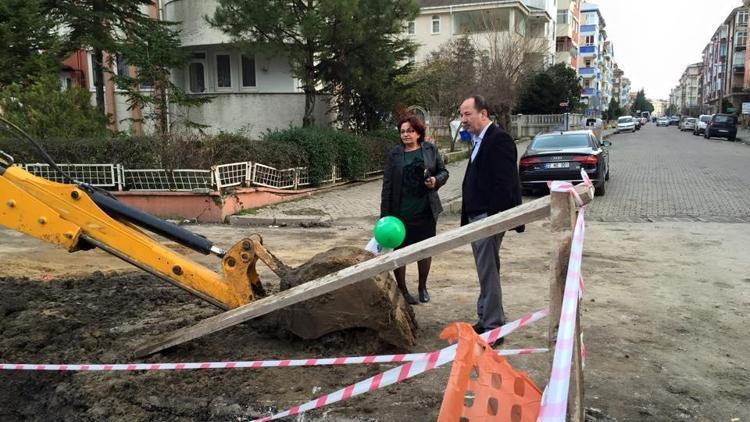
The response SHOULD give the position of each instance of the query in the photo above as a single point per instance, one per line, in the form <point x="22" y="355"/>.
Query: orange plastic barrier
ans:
<point x="483" y="386"/>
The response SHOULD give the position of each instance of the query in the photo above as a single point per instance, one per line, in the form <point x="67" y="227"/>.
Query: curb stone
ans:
<point x="284" y="220"/>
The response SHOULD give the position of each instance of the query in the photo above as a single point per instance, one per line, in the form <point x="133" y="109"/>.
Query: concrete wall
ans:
<point x="195" y="30"/>
<point x="255" y="113"/>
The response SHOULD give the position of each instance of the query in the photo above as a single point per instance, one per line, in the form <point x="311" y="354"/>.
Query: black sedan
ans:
<point x="561" y="156"/>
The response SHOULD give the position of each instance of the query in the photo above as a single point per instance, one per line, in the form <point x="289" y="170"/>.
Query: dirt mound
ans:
<point x="102" y="318"/>
<point x="374" y="303"/>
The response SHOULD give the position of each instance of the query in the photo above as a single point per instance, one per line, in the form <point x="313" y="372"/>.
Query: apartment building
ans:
<point x="723" y="67"/>
<point x="675" y="98"/>
<point x="620" y="86"/>
<point x="591" y="59"/>
<point x="690" y="89"/>
<point x="486" y="23"/>
<point x="568" y="31"/>
<point x="625" y="87"/>
<point x="606" y="65"/>
<point x="252" y="93"/>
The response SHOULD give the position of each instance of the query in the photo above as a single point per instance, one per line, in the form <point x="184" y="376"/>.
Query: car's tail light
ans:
<point x="586" y="160"/>
<point x="529" y="162"/>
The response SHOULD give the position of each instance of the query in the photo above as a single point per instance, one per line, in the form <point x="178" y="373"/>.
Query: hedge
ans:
<point x="316" y="148"/>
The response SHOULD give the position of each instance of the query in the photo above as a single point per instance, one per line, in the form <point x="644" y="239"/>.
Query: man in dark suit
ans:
<point x="491" y="185"/>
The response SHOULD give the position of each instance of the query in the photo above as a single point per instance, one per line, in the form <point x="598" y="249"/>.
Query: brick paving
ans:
<point x="661" y="174"/>
<point x="657" y="175"/>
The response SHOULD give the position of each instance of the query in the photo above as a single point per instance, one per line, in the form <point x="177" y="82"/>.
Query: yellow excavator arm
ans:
<point x="77" y="216"/>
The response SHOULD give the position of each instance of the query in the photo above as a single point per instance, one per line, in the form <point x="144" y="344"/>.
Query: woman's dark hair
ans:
<point x="415" y="123"/>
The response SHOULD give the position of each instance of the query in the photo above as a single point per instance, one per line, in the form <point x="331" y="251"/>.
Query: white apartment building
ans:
<point x="591" y="66"/>
<point x="690" y="82"/>
<point x="568" y="25"/>
<point x="439" y="21"/>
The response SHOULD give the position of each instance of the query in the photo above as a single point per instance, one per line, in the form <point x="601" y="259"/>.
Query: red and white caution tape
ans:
<point x="555" y="398"/>
<point x="350" y="360"/>
<point x="434" y="359"/>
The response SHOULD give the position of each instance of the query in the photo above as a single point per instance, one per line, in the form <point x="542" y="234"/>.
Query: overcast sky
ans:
<point x="654" y="40"/>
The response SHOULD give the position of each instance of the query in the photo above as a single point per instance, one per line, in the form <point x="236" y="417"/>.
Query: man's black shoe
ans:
<point x="498" y="342"/>
<point x="478" y="328"/>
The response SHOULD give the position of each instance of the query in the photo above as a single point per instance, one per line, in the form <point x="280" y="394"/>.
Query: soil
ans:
<point x="665" y="326"/>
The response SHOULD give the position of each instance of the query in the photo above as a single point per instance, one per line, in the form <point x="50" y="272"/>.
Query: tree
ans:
<point x="614" y="110"/>
<point x="543" y="92"/>
<point x="726" y="105"/>
<point x="363" y="56"/>
<point x="100" y="25"/>
<point x="153" y="49"/>
<point x="671" y="110"/>
<point x="47" y="112"/>
<point x="445" y="78"/>
<point x="31" y="46"/>
<point x="505" y="58"/>
<point x="275" y="27"/>
<point x="641" y="104"/>
<point x="351" y="47"/>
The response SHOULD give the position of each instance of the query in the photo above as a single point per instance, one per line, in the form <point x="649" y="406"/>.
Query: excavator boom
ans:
<point x="79" y="217"/>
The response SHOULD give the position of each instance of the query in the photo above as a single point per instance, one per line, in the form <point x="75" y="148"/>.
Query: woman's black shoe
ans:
<point x="424" y="297"/>
<point x="409" y="298"/>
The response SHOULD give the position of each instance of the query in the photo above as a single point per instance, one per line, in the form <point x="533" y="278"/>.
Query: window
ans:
<point x="197" y="73"/>
<point x="411" y="27"/>
<point x="197" y="77"/>
<point x="122" y="67"/>
<point x="223" y="71"/>
<point x="248" y="71"/>
<point x="741" y="39"/>
<point x="436" y="24"/>
<point x="589" y="40"/>
<point x="562" y="16"/>
<point x="521" y="24"/>
<point x="742" y="18"/>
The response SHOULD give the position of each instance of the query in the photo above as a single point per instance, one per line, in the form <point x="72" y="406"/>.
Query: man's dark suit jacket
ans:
<point x="491" y="183"/>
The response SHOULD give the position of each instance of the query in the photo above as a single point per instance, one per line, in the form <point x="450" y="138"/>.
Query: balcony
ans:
<point x="587" y="72"/>
<point x="738" y="68"/>
<point x="587" y="50"/>
<point x="588" y="29"/>
<point x="589" y="92"/>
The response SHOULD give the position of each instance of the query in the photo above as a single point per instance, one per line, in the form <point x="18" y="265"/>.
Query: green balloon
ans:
<point x="389" y="232"/>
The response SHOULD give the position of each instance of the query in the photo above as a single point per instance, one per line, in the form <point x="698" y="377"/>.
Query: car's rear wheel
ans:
<point x="606" y="177"/>
<point x="600" y="189"/>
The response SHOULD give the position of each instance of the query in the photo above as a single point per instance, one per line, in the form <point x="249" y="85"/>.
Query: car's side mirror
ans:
<point x="606" y="144"/>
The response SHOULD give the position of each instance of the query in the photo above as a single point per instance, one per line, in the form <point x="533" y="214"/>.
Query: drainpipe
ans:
<point x="160" y="6"/>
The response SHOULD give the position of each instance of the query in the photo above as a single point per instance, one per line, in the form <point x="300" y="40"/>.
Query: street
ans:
<point x="662" y="174"/>
<point x="664" y="312"/>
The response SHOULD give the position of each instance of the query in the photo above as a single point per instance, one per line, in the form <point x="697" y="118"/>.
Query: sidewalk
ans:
<point x="355" y="201"/>
<point x="743" y="135"/>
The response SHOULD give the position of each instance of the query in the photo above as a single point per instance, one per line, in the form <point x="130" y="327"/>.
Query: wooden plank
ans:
<point x="563" y="219"/>
<point x="523" y="214"/>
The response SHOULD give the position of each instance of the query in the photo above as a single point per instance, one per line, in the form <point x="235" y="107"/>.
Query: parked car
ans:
<point x="561" y="156"/>
<point x="625" y="123"/>
<point x="722" y="126"/>
<point x="643" y="120"/>
<point x="674" y="120"/>
<point x="637" y="123"/>
<point x="700" y="125"/>
<point x="662" y="121"/>
<point x="688" y="123"/>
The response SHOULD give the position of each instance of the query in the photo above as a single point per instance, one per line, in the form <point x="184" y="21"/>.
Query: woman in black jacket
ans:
<point x="413" y="174"/>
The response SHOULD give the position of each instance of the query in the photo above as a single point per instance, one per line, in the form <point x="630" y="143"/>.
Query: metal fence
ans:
<point x="218" y="178"/>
